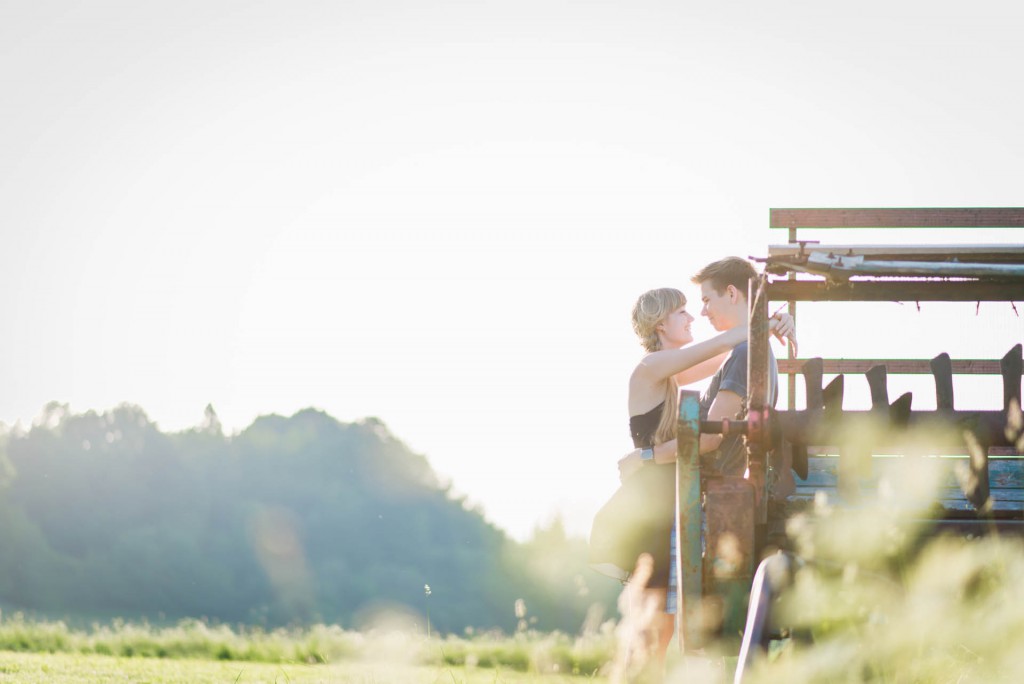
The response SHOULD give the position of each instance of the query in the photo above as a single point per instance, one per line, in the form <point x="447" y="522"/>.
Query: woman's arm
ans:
<point x="704" y="369"/>
<point x="659" y="365"/>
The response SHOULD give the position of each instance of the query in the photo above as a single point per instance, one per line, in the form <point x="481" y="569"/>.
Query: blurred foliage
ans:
<point x="884" y="594"/>
<point x="295" y="521"/>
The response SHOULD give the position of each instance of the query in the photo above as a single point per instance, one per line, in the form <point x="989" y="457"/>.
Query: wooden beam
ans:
<point x="980" y="217"/>
<point x="894" y="291"/>
<point x="894" y="366"/>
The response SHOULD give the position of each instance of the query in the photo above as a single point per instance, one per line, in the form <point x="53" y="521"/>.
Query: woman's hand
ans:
<point x="629" y="464"/>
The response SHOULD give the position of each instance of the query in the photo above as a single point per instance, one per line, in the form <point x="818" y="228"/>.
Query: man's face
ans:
<point x="719" y="308"/>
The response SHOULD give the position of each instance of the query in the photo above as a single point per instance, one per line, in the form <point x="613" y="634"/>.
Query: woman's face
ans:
<point x="675" y="329"/>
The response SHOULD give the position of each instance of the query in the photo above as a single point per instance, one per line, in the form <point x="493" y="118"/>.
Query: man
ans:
<point x="724" y="286"/>
<point x="723" y="293"/>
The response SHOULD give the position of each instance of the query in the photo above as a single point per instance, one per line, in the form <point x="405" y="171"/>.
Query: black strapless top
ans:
<point x="639" y="516"/>
<point x="643" y="427"/>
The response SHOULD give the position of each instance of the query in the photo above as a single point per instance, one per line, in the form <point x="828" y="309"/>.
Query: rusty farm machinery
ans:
<point x="724" y="522"/>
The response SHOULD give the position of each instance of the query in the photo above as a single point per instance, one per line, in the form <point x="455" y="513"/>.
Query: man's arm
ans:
<point x="727" y="404"/>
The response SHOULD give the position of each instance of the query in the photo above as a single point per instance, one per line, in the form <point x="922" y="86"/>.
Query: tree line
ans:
<point x="295" y="520"/>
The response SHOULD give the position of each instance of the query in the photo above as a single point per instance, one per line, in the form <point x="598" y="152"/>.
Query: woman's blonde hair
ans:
<point x="650" y="310"/>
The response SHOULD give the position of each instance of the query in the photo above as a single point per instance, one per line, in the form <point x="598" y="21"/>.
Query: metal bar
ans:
<point x="996" y="253"/>
<point x="758" y="381"/>
<point x="790" y="351"/>
<point x="895" y="366"/>
<point x="895" y="291"/>
<point x="774" y="574"/>
<point x="820" y="450"/>
<point x="844" y="268"/>
<point x="757" y="346"/>
<point x="930" y="428"/>
<point x="689" y="560"/>
<point x="904" y="217"/>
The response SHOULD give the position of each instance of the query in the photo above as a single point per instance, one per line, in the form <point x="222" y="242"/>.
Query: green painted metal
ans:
<point x="689" y="560"/>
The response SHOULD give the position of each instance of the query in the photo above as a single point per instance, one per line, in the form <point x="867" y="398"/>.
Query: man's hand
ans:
<point x="629" y="464"/>
<point x="783" y="327"/>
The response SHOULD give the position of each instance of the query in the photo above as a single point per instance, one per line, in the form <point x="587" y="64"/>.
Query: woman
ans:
<point x="639" y="518"/>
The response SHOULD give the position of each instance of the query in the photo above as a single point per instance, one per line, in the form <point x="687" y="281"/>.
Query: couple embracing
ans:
<point x="639" y="519"/>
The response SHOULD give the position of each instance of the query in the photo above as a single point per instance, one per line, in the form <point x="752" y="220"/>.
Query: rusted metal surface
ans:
<point x="730" y="519"/>
<point x="894" y="291"/>
<point x="729" y="560"/>
<point x="689" y="616"/>
<point x="758" y="384"/>
<point x="980" y="217"/>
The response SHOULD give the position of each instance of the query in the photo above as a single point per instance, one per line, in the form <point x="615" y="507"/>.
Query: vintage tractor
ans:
<point x="724" y="522"/>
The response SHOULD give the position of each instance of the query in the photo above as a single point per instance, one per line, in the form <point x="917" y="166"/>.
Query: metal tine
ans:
<point x="799" y="460"/>
<point x="850" y="458"/>
<point x="899" y="411"/>
<point x="832" y="397"/>
<point x="1010" y="366"/>
<point x="813" y="369"/>
<point x="942" y="370"/>
<point x="975" y="485"/>
<point x="876" y="376"/>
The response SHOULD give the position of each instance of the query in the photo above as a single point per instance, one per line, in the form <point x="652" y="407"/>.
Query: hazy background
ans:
<point x="439" y="213"/>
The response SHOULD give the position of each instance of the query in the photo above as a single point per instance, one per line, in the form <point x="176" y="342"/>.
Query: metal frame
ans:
<point x="848" y="273"/>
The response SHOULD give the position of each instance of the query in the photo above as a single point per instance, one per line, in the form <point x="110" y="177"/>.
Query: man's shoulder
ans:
<point x="738" y="355"/>
<point x="740" y="352"/>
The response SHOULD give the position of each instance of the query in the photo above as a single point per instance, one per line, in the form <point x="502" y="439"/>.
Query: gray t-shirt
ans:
<point x="730" y="457"/>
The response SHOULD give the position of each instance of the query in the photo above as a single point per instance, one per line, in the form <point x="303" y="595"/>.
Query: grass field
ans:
<point x="194" y="651"/>
<point x="76" y="668"/>
<point x="880" y="596"/>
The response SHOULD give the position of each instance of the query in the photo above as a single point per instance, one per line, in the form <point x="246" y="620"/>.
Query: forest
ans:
<point x="293" y="521"/>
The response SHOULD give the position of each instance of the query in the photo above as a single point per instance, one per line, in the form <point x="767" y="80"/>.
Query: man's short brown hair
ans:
<point x="728" y="271"/>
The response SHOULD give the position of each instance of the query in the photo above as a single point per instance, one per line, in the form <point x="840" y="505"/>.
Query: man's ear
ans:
<point x="733" y="292"/>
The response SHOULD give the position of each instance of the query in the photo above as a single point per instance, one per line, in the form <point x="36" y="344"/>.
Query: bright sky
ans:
<point x="439" y="213"/>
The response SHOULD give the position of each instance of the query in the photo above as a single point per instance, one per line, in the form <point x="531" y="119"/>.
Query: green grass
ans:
<point x="320" y="646"/>
<point x="76" y="668"/>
